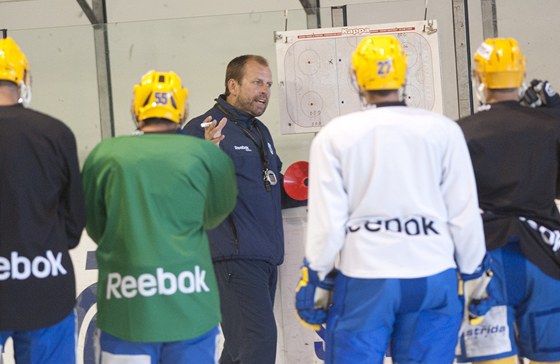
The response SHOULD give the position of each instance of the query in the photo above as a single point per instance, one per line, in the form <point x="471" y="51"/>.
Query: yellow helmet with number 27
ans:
<point x="160" y="95"/>
<point x="379" y="63"/>
<point x="499" y="63"/>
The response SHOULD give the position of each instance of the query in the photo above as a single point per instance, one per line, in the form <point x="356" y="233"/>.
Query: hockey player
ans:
<point x="150" y="198"/>
<point x="393" y="210"/>
<point x="514" y="150"/>
<point x="42" y="216"/>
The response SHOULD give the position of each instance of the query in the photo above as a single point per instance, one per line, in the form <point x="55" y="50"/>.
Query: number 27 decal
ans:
<point x="384" y="67"/>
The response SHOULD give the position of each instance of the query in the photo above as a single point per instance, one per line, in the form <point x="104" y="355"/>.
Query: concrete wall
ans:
<point x="198" y="39"/>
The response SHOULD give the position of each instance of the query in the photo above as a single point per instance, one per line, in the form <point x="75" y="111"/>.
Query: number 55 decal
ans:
<point x="161" y="97"/>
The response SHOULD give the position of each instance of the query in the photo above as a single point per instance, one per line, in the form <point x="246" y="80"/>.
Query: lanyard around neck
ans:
<point x="260" y="146"/>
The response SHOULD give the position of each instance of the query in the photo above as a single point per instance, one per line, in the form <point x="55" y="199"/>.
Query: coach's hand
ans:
<point x="213" y="129"/>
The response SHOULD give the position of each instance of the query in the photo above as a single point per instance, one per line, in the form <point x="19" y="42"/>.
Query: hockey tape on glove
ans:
<point x="313" y="297"/>
<point x="540" y="94"/>
<point x="530" y="98"/>
<point x="551" y="98"/>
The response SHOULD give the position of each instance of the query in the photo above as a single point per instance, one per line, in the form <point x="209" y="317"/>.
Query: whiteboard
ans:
<point x="315" y="78"/>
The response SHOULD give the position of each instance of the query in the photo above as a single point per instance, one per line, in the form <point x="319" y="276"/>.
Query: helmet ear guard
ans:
<point x="379" y="63"/>
<point x="14" y="67"/>
<point x="159" y="95"/>
<point x="25" y="92"/>
<point x="500" y="64"/>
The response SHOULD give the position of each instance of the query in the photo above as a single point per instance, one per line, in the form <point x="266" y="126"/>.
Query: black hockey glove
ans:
<point x="540" y="94"/>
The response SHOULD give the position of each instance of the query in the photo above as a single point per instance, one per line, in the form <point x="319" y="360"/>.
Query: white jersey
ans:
<point x="392" y="194"/>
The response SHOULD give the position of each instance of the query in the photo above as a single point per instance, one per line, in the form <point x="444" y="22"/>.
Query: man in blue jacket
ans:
<point x="249" y="245"/>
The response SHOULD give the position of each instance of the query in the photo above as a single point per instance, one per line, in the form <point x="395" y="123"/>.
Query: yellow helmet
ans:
<point x="379" y="63"/>
<point x="15" y="68"/>
<point x="499" y="63"/>
<point x="160" y="95"/>
<point x="13" y="63"/>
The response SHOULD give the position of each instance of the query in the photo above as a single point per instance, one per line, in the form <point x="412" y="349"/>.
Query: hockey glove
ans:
<point x="313" y="297"/>
<point x="478" y="291"/>
<point x="540" y="94"/>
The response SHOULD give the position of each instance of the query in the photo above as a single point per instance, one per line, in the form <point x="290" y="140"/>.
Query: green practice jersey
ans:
<point x="150" y="199"/>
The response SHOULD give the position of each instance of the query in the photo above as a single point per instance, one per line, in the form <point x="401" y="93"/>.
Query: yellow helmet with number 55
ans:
<point x="160" y="95"/>
<point x="379" y="63"/>
<point x="499" y="63"/>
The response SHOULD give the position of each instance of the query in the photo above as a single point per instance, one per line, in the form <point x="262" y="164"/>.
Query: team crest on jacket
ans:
<point x="242" y="147"/>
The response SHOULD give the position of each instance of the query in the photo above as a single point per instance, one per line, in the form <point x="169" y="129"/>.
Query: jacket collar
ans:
<point x="244" y="119"/>
<point x="499" y="105"/>
<point x="505" y="104"/>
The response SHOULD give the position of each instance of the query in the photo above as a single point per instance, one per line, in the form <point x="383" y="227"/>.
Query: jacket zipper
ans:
<point x="234" y="231"/>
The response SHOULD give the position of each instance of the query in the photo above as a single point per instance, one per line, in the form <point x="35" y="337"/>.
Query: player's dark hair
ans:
<point x="6" y="83"/>
<point x="382" y="93"/>
<point x="236" y="68"/>
<point x="502" y="90"/>
<point x="157" y="121"/>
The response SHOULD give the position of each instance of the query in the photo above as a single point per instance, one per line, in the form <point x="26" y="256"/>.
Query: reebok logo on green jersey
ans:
<point x="162" y="283"/>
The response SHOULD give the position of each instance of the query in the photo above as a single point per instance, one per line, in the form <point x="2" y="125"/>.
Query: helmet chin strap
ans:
<point x="363" y="100"/>
<point x="402" y="92"/>
<point x="133" y="116"/>
<point x="480" y="94"/>
<point x="135" y="120"/>
<point x="24" y="94"/>
<point x="184" y="119"/>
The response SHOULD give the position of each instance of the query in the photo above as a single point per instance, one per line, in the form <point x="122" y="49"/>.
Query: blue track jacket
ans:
<point x="254" y="229"/>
